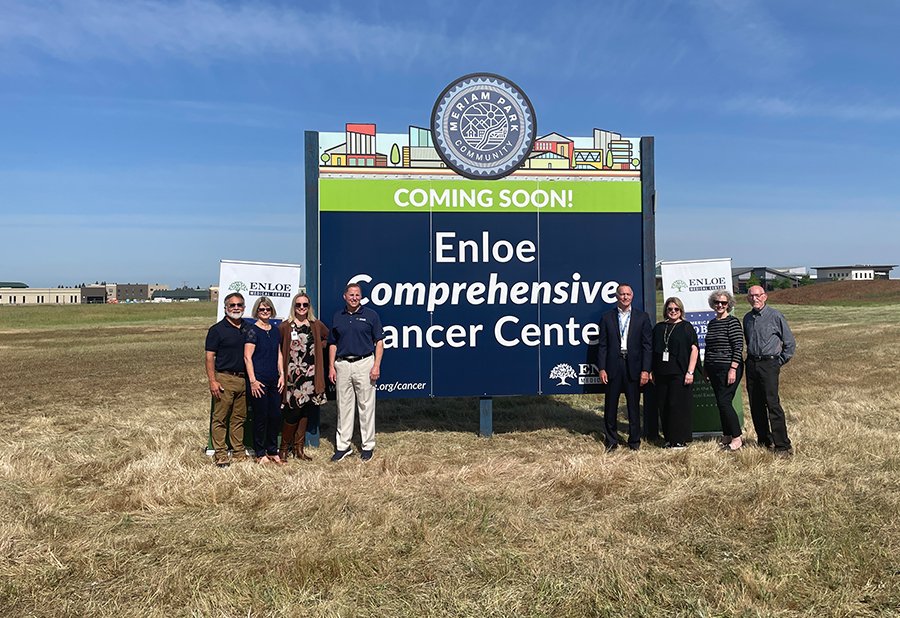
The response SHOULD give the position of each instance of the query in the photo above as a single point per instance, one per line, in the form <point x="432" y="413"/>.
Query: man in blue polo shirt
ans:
<point x="355" y="346"/>
<point x="227" y="381"/>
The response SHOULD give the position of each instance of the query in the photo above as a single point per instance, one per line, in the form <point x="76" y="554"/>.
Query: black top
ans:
<point x="355" y="334"/>
<point x="265" y="354"/>
<point x="679" y="337"/>
<point x="227" y="341"/>
<point x="724" y="342"/>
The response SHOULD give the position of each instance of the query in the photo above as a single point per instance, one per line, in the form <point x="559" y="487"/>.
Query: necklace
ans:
<point x="666" y="336"/>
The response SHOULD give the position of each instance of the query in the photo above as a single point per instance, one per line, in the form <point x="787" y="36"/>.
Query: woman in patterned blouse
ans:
<point x="303" y="350"/>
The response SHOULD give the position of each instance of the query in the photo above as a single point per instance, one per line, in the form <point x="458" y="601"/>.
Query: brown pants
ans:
<point x="229" y="414"/>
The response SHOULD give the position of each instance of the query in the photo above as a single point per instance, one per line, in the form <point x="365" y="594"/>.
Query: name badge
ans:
<point x="294" y="335"/>
<point x="666" y="356"/>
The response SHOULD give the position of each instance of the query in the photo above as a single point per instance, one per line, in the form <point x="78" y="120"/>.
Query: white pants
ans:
<point x="355" y="391"/>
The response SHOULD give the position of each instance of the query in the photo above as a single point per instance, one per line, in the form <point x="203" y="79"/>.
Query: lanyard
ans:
<point x="624" y="326"/>
<point x="666" y="335"/>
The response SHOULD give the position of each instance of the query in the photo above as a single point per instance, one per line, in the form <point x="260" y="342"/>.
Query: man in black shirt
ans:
<point x="225" y="371"/>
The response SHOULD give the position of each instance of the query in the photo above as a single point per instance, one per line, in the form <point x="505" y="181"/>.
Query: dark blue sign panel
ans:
<point x="484" y="287"/>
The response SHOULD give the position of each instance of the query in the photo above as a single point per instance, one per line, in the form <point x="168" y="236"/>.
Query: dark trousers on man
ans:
<point x="725" y="392"/>
<point x="765" y="405"/>
<point x="619" y="384"/>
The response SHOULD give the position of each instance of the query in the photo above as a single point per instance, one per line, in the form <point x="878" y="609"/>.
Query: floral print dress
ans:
<point x="301" y="369"/>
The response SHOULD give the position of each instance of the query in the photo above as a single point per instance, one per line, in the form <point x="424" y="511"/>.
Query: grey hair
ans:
<point x="726" y="294"/>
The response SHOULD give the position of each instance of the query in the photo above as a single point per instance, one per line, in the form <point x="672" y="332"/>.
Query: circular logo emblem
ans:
<point x="483" y="126"/>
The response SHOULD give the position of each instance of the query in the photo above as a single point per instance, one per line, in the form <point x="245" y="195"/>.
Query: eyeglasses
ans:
<point x="229" y="305"/>
<point x="724" y="303"/>
<point x="299" y="305"/>
<point x="266" y="309"/>
<point x="671" y="309"/>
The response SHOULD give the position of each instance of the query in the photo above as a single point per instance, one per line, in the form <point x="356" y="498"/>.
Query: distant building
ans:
<point x="767" y="276"/>
<point x="126" y="292"/>
<point x="21" y="294"/>
<point x="93" y="294"/>
<point x="155" y="287"/>
<point x="182" y="294"/>
<point x="856" y="272"/>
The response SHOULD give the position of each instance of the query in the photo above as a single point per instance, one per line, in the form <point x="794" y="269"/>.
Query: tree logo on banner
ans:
<point x="238" y="286"/>
<point x="483" y="126"/>
<point x="563" y="372"/>
<point x="679" y="285"/>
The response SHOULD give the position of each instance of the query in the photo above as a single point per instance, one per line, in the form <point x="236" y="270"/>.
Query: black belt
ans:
<point x="352" y="359"/>
<point x="766" y="357"/>
<point x="239" y="374"/>
<point x="623" y="353"/>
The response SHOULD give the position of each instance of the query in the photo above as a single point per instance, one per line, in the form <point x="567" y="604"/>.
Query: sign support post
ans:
<point x="486" y="426"/>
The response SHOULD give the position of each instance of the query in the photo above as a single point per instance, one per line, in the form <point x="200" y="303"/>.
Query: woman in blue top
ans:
<point x="262" y="356"/>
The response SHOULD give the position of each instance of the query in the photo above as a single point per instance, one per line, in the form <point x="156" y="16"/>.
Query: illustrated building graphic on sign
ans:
<point x="604" y="151"/>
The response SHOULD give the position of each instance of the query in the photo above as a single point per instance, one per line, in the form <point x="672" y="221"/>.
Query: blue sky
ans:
<point x="144" y="141"/>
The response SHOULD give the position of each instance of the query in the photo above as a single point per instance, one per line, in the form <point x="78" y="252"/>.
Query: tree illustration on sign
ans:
<point x="395" y="155"/>
<point x="680" y="285"/>
<point x="562" y="372"/>
<point x="238" y="286"/>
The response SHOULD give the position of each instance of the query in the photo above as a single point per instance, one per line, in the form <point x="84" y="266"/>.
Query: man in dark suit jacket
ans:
<point x="624" y="368"/>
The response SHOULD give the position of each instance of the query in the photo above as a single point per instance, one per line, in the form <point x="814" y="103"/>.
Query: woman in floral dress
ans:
<point x="304" y="353"/>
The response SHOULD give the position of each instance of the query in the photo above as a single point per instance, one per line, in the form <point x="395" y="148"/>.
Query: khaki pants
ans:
<point x="355" y="391"/>
<point x="229" y="414"/>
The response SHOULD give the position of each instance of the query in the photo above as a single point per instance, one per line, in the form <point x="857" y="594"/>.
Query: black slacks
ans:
<point x="765" y="405"/>
<point x="725" y="392"/>
<point x="266" y="419"/>
<point x="619" y="384"/>
<point x="675" y="401"/>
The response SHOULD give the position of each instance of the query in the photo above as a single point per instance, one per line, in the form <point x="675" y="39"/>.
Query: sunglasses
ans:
<point x="671" y="309"/>
<point x="235" y="305"/>
<point x="724" y="303"/>
<point x="266" y="309"/>
<point x="301" y="305"/>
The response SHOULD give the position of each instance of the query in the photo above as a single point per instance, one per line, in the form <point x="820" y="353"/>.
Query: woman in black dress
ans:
<point x="676" y="352"/>
<point x="724" y="365"/>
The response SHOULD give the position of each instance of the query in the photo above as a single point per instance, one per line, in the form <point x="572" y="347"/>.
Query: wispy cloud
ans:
<point x="206" y="31"/>
<point x="798" y="108"/>
<point x="744" y="34"/>
<point x="810" y="106"/>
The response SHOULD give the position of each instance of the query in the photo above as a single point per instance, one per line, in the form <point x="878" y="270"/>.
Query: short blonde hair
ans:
<point x="312" y="314"/>
<point x="263" y="300"/>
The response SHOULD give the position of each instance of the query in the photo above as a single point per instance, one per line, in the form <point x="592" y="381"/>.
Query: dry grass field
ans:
<point x="109" y="507"/>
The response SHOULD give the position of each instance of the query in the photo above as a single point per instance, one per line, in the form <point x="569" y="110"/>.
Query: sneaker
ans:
<point x="679" y="446"/>
<point x="342" y="455"/>
<point x="366" y="455"/>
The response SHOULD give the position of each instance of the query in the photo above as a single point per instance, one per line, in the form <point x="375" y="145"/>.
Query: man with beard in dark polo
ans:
<point x="227" y="381"/>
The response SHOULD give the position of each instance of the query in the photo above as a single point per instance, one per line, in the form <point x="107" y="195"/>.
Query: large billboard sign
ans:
<point x="484" y="287"/>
